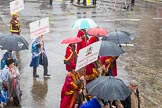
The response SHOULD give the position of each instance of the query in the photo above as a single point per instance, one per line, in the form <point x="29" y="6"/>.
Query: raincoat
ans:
<point x="38" y="54"/>
<point x="12" y="79"/>
<point x="6" y="56"/>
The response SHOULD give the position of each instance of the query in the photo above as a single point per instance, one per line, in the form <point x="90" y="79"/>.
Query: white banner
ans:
<point x="88" y="55"/>
<point x="40" y="27"/>
<point x="16" y="6"/>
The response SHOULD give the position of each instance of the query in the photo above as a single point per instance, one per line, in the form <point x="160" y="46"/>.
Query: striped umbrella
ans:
<point x="84" y="23"/>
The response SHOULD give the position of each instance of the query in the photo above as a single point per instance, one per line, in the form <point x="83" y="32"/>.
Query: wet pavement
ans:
<point x="141" y="62"/>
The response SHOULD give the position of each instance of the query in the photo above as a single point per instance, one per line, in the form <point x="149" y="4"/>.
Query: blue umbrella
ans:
<point x="84" y="23"/>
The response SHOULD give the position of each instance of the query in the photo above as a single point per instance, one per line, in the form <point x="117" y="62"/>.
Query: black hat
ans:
<point x="9" y="61"/>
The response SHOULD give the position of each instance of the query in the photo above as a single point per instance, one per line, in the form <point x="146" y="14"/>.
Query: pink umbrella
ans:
<point x="97" y="31"/>
<point x="71" y="40"/>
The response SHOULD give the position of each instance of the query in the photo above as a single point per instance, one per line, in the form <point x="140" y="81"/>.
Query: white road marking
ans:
<point x="125" y="19"/>
<point x="156" y="18"/>
<point x="127" y="44"/>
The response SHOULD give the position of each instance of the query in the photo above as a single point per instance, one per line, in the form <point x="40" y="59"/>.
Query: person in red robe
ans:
<point x="82" y="34"/>
<point x="92" y="68"/>
<point x="70" y="57"/>
<point x="93" y="39"/>
<point x="109" y="65"/>
<point x="72" y="90"/>
<point x="91" y="72"/>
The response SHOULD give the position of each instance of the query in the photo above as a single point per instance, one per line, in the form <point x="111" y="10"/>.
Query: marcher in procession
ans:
<point x="133" y="100"/>
<point x="92" y="68"/>
<point x="15" y="24"/>
<point x="11" y="82"/>
<point x="92" y="71"/>
<point x="39" y="57"/>
<point x="8" y="55"/>
<point x="72" y="90"/>
<point x="82" y="34"/>
<point x="109" y="65"/>
<point x="70" y="57"/>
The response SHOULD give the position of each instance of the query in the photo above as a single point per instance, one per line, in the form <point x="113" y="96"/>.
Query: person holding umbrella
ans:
<point x="39" y="57"/>
<point x="15" y="24"/>
<point x="70" y="58"/>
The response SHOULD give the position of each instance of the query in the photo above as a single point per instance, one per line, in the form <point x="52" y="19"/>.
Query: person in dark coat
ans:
<point x="50" y="2"/>
<point x="84" y="2"/>
<point x="133" y="100"/>
<point x="39" y="57"/>
<point x="71" y="1"/>
<point x="132" y="4"/>
<point x="94" y="2"/>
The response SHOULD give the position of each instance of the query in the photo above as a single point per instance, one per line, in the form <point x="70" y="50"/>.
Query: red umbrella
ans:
<point x="97" y="31"/>
<point x="71" y="40"/>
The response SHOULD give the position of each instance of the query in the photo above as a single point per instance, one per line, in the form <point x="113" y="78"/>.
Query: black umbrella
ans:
<point x="13" y="42"/>
<point x="119" y="37"/>
<point x="110" y="49"/>
<point x="108" y="88"/>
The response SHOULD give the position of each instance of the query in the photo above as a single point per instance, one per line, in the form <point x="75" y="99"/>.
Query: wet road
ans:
<point x="141" y="61"/>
